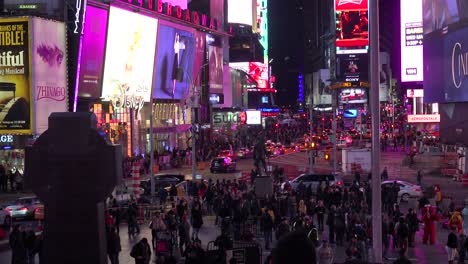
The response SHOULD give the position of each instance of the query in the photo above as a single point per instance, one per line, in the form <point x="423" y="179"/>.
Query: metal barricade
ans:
<point x="247" y="252"/>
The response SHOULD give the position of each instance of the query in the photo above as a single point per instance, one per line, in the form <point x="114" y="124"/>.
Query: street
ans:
<point x="392" y="160"/>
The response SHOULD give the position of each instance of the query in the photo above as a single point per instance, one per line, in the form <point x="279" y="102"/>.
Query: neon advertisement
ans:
<point x="257" y="71"/>
<point x="215" y="62"/>
<point x="351" y="5"/>
<point x="129" y="61"/>
<point x="92" y="53"/>
<point x="240" y="12"/>
<point x="411" y="41"/>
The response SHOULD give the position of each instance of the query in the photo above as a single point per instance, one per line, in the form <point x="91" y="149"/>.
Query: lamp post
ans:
<point x="194" y="104"/>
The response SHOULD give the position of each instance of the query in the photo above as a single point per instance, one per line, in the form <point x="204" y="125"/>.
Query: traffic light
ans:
<point x="312" y="145"/>
<point x="327" y="157"/>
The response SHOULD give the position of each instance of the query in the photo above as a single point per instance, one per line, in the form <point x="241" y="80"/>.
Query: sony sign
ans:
<point x="459" y="65"/>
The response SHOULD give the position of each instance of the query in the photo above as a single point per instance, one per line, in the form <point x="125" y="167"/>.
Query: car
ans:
<point x="226" y="153"/>
<point x="315" y="179"/>
<point x="222" y="164"/>
<point x="5" y="218"/>
<point x="162" y="180"/>
<point x="244" y="153"/>
<point x="280" y="149"/>
<point x="24" y="207"/>
<point x="407" y="190"/>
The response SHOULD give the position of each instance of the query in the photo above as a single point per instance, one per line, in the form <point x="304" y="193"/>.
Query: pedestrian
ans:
<point x="197" y="219"/>
<point x="419" y="178"/>
<point x="184" y="234"/>
<point x="325" y="253"/>
<point x="267" y="227"/>
<point x="30" y="243"/>
<point x="283" y="228"/>
<point x="402" y="233"/>
<point x="465" y="218"/>
<point x="194" y="254"/>
<point x="156" y="225"/>
<point x="294" y="248"/>
<point x="462" y="244"/>
<point x="331" y="224"/>
<point x="320" y="212"/>
<point x="413" y="226"/>
<point x="384" y="174"/>
<point x="452" y="246"/>
<point x="141" y="252"/>
<point x="17" y="245"/>
<point x="113" y="245"/>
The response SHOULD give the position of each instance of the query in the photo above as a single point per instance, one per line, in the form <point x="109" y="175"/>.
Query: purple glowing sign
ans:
<point x="411" y="41"/>
<point x="92" y="52"/>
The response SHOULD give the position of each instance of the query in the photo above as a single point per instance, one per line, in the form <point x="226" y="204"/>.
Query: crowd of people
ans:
<point x="331" y="215"/>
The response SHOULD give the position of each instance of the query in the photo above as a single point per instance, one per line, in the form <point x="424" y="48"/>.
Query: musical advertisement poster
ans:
<point x="15" y="78"/>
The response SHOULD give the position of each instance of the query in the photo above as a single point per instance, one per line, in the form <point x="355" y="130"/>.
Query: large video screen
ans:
<point x="131" y="43"/>
<point x="438" y="14"/>
<point x="215" y="63"/>
<point x="352" y="96"/>
<point x="174" y="63"/>
<point x="257" y="71"/>
<point x="445" y="68"/>
<point x="92" y="52"/>
<point x="352" y="23"/>
<point x="411" y="41"/>
<point x="240" y="12"/>
<point x="352" y="67"/>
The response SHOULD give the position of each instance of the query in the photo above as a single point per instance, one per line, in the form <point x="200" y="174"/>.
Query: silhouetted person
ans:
<point x="295" y="248"/>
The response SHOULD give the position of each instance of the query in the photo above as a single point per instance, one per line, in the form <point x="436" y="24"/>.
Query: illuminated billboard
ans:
<point x="438" y="14"/>
<point x="15" y="76"/>
<point x="129" y="61"/>
<point x="254" y="117"/>
<point x="411" y="40"/>
<point x="352" y="96"/>
<point x="240" y="12"/>
<point x="352" y="67"/>
<point x="257" y="71"/>
<point x="174" y="63"/>
<point x="92" y="52"/>
<point x="49" y="70"/>
<point x="352" y="23"/>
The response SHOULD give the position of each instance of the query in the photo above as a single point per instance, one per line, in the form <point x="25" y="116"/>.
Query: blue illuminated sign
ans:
<point x="300" y="94"/>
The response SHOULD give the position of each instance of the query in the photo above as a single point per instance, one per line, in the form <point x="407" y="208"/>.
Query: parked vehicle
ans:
<point x="407" y="190"/>
<point x="244" y="153"/>
<point x="222" y="164"/>
<point x="24" y="207"/>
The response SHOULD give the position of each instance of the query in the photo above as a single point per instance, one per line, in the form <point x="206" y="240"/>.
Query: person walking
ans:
<point x="141" y="252"/>
<point x="267" y="226"/>
<point x="17" y="245"/>
<point x="197" y="219"/>
<point x="419" y="178"/>
<point x="184" y="234"/>
<point x="320" y="212"/>
<point x="113" y="245"/>
<point x="452" y="246"/>
<point x="384" y="174"/>
<point x="325" y="253"/>
<point x="30" y="243"/>
<point x="413" y="226"/>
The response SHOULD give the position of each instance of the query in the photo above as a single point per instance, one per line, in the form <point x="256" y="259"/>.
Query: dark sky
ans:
<point x="286" y="42"/>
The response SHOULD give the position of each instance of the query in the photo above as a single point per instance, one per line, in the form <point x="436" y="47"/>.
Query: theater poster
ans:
<point x="15" y="76"/>
<point x="49" y="70"/>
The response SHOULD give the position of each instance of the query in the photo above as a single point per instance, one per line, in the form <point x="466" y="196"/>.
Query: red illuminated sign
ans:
<point x="186" y="15"/>
<point x="350" y="5"/>
<point x="243" y="117"/>
<point x="424" y="118"/>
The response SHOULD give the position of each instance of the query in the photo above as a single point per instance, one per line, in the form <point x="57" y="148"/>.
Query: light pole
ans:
<point x="194" y="105"/>
<point x="375" y="112"/>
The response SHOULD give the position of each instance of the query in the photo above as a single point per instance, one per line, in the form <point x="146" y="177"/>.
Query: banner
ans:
<point x="49" y="70"/>
<point x="92" y="53"/>
<point x="15" y="77"/>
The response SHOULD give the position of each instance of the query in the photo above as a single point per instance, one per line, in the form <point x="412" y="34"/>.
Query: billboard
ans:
<point x="352" y="23"/>
<point x="445" y="67"/>
<point x="49" y="70"/>
<point x="257" y="71"/>
<point x="352" y="67"/>
<point x="15" y="76"/>
<point x="215" y="64"/>
<point x="92" y="52"/>
<point x="411" y="40"/>
<point x="129" y="61"/>
<point x="254" y="117"/>
<point x="352" y="96"/>
<point x="438" y="14"/>
<point x="240" y="12"/>
<point x="174" y="63"/>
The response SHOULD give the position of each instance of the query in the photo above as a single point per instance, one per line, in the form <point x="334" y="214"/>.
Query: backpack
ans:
<point x="402" y="230"/>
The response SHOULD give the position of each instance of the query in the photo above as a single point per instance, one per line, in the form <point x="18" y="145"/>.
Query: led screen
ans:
<point x="128" y="70"/>
<point x="438" y="14"/>
<point x="240" y="12"/>
<point x="352" y="23"/>
<point x="258" y="72"/>
<point x="352" y="67"/>
<point x="352" y="96"/>
<point x="215" y="63"/>
<point x="92" y="52"/>
<point x="254" y="117"/>
<point x="350" y="113"/>
<point x="174" y="63"/>
<point x="411" y="41"/>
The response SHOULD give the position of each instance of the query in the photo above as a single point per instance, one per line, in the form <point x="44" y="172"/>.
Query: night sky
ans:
<point x="286" y="39"/>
